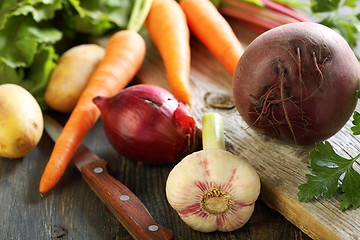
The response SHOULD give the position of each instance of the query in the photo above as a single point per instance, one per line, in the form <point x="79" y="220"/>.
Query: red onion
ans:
<point x="148" y="124"/>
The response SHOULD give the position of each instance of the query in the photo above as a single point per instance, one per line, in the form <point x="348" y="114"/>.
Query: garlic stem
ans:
<point x="213" y="131"/>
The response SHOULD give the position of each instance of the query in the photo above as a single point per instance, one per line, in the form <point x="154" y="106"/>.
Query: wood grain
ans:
<point x="281" y="167"/>
<point x="73" y="211"/>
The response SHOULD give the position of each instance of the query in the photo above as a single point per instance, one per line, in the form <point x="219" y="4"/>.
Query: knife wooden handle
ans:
<point x="123" y="203"/>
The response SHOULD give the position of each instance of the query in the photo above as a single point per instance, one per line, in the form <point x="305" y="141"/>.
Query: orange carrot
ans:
<point x="166" y="24"/>
<point x="124" y="55"/>
<point x="212" y="29"/>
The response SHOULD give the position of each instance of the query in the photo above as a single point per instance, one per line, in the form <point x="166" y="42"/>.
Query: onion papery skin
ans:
<point x="148" y="124"/>
<point x="297" y="82"/>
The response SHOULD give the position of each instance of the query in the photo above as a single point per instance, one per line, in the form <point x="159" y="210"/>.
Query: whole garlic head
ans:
<point x="213" y="190"/>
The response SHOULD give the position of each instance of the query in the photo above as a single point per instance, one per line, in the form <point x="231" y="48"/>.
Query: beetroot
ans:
<point x="297" y="82"/>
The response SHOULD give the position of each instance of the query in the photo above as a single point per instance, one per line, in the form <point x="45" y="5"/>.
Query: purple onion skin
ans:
<point x="148" y="124"/>
<point x="297" y="82"/>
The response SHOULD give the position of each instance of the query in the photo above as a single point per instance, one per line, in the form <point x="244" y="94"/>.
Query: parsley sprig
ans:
<point x="333" y="175"/>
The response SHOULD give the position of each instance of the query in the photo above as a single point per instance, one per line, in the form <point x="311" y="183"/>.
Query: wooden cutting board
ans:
<point x="281" y="167"/>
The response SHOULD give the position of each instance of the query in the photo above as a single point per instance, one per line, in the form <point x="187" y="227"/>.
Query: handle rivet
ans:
<point x="98" y="170"/>
<point x="153" y="228"/>
<point x="124" y="197"/>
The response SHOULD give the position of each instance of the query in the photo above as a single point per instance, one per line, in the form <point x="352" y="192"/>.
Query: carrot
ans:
<point x="124" y="55"/>
<point x="212" y="29"/>
<point x="167" y="26"/>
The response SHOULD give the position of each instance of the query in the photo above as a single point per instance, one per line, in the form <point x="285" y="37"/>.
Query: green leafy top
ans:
<point x="331" y="5"/>
<point x="39" y="10"/>
<point x="32" y="30"/>
<point x="342" y="16"/>
<point x="95" y="17"/>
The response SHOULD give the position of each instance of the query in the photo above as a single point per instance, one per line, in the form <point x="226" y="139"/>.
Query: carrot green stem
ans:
<point x="213" y="131"/>
<point x="138" y="15"/>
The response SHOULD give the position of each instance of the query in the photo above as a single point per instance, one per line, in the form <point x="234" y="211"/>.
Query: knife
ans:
<point x="123" y="204"/>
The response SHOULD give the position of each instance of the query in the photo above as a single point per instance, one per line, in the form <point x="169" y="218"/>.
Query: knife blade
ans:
<point x="121" y="201"/>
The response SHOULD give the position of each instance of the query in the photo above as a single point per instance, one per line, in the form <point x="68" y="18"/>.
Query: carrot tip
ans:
<point x="42" y="191"/>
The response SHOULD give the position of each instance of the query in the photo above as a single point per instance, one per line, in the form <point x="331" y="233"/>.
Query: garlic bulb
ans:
<point x="212" y="189"/>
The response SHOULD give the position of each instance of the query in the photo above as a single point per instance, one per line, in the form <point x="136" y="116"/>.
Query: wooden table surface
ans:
<point x="72" y="211"/>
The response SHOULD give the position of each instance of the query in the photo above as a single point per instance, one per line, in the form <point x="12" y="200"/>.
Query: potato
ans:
<point x="21" y="121"/>
<point x="70" y="76"/>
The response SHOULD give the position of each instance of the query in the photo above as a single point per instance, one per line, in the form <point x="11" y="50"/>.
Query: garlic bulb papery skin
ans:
<point x="213" y="190"/>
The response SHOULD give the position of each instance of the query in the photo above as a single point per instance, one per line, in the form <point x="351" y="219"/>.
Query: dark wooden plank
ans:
<point x="282" y="167"/>
<point x="72" y="210"/>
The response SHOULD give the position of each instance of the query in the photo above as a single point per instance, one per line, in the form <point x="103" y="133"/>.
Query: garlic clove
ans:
<point x="213" y="190"/>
